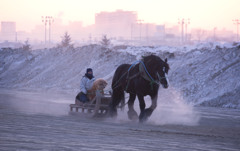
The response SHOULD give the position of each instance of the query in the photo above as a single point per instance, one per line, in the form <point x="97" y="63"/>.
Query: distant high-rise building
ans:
<point x="115" y="24"/>
<point x="8" y="31"/>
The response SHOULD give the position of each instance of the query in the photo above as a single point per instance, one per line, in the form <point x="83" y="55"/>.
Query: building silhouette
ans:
<point x="8" y="31"/>
<point x="115" y="24"/>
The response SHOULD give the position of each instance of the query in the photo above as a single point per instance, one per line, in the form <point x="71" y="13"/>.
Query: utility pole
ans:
<point x="132" y="33"/>
<point x="186" y="24"/>
<point x="49" y="20"/>
<point x="181" y="22"/>
<point x="140" y="23"/>
<point x="90" y="38"/>
<point x="44" y="20"/>
<point x="16" y="39"/>
<point x="147" y="33"/>
<point x="236" y="22"/>
<point x="214" y="33"/>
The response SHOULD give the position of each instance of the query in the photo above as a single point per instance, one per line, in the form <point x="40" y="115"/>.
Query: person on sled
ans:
<point x="85" y="85"/>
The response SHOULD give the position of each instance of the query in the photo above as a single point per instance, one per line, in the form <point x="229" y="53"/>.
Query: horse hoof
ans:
<point x="143" y="118"/>
<point x="132" y="115"/>
<point x="112" y="113"/>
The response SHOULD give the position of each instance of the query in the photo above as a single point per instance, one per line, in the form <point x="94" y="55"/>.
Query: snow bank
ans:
<point x="206" y="74"/>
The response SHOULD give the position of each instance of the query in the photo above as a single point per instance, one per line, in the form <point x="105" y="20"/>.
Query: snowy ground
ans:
<point x="42" y="121"/>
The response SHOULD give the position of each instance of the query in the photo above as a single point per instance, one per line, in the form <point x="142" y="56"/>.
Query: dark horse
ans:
<point x="140" y="79"/>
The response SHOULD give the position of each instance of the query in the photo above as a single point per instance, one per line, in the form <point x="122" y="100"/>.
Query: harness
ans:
<point x="142" y="72"/>
<point x="145" y="74"/>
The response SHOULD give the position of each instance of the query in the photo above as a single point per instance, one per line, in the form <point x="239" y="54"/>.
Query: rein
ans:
<point x="127" y="72"/>
<point x="142" y="71"/>
<point x="147" y="76"/>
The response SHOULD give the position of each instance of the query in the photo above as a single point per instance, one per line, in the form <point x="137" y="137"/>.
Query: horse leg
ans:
<point x="142" y="105"/>
<point x="132" y="114"/>
<point x="117" y="96"/>
<point x="148" y="111"/>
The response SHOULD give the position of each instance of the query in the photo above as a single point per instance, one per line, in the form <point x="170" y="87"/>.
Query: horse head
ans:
<point x="162" y="73"/>
<point x="158" y="69"/>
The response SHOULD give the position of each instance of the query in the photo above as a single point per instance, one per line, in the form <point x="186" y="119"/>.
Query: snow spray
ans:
<point x="173" y="109"/>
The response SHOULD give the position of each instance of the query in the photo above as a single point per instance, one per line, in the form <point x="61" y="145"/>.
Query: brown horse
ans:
<point x="140" y="79"/>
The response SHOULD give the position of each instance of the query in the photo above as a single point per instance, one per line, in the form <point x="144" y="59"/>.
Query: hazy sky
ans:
<point x="205" y="14"/>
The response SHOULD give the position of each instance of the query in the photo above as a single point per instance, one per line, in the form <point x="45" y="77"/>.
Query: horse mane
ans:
<point x="147" y="59"/>
<point x="152" y="57"/>
<point x="156" y="60"/>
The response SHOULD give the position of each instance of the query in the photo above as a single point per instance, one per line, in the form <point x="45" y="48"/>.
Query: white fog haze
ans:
<point x="47" y="46"/>
<point x="202" y="100"/>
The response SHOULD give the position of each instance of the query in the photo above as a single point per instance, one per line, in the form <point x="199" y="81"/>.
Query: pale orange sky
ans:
<point x="205" y="14"/>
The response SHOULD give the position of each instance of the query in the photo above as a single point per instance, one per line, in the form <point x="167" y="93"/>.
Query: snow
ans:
<point x="37" y="87"/>
<point x="205" y="74"/>
<point x="42" y="121"/>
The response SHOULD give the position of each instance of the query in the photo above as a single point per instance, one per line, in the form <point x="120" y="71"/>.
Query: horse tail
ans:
<point x="118" y="88"/>
<point x="118" y="97"/>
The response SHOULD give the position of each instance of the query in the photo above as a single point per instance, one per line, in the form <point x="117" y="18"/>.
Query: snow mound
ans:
<point x="205" y="74"/>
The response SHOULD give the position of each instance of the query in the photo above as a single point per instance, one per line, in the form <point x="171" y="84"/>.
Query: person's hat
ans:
<point x="89" y="69"/>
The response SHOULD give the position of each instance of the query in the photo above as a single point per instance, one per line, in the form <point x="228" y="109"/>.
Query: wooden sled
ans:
<point x="98" y="106"/>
